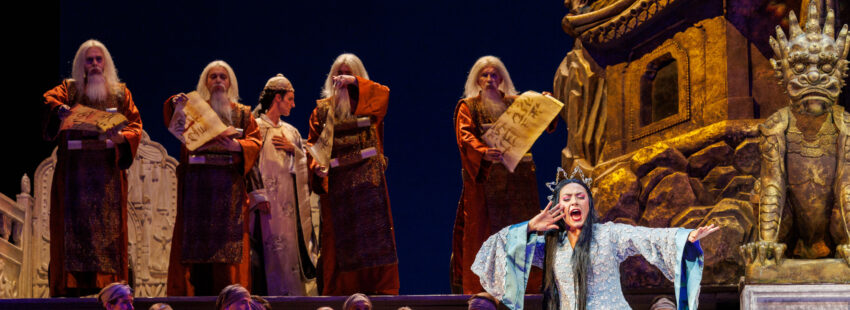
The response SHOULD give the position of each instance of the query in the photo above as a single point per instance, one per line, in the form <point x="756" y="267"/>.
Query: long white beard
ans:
<point x="96" y="89"/>
<point x="221" y="105"/>
<point x="342" y="108"/>
<point x="494" y="107"/>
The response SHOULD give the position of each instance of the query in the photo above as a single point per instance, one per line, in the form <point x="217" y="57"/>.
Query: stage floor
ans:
<point x="711" y="297"/>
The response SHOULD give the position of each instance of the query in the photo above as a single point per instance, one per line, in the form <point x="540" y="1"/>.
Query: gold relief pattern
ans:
<point x="613" y="22"/>
<point x="824" y="144"/>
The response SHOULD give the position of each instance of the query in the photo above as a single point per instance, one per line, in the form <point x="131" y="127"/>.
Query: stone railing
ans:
<point x="14" y="255"/>
<point x="152" y="203"/>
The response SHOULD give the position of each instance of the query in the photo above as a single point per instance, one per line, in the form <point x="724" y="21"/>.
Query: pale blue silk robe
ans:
<point x="505" y="259"/>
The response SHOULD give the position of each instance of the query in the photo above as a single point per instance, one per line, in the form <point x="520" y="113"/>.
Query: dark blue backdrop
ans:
<point x="422" y="50"/>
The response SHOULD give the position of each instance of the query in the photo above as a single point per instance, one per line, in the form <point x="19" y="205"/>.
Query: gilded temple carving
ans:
<point x="804" y="187"/>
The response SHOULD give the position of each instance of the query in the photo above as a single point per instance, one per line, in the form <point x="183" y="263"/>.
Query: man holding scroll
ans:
<point x="495" y="194"/>
<point x="98" y="129"/>
<point x="221" y="141"/>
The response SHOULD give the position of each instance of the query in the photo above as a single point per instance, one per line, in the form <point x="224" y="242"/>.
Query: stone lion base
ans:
<point x="800" y="271"/>
<point x="795" y="296"/>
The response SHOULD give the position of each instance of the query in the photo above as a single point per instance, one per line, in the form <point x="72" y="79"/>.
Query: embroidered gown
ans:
<point x="506" y="257"/>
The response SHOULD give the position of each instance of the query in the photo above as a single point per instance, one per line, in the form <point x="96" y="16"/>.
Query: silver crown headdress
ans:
<point x="561" y="175"/>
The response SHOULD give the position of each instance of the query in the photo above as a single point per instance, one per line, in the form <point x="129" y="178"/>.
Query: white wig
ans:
<point x="353" y="63"/>
<point x="232" y="92"/>
<point x="78" y="69"/>
<point x="471" y="89"/>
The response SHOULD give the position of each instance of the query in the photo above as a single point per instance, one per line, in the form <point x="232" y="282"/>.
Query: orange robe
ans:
<point x="180" y="282"/>
<point x="64" y="282"/>
<point x="343" y="269"/>
<point x="492" y="197"/>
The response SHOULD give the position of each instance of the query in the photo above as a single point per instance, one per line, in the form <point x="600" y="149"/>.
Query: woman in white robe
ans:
<point x="580" y="257"/>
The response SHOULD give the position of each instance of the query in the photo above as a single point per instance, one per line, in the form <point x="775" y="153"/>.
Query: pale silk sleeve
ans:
<point x="472" y="149"/>
<point x="504" y="262"/>
<point x="669" y="250"/>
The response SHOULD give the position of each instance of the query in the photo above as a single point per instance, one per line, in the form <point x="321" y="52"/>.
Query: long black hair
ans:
<point x="581" y="254"/>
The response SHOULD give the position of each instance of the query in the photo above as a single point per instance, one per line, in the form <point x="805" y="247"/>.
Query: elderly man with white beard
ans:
<point x="88" y="197"/>
<point x="210" y="248"/>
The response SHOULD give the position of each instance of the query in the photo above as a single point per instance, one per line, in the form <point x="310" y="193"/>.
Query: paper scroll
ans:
<point x="321" y="150"/>
<point x="90" y="119"/>
<point x="521" y="124"/>
<point x="195" y="123"/>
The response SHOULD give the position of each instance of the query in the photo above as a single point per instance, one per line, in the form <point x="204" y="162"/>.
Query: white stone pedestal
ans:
<point x="795" y="296"/>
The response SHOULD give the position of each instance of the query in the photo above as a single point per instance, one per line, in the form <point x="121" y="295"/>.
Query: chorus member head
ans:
<point x="94" y="71"/>
<point x="233" y="297"/>
<point x="343" y="73"/>
<point x="160" y="306"/>
<point x="277" y="98"/>
<point x="116" y="296"/>
<point x="218" y="86"/>
<point x="345" y="64"/>
<point x="488" y="73"/>
<point x="261" y="302"/>
<point x="482" y="301"/>
<point x="357" y="301"/>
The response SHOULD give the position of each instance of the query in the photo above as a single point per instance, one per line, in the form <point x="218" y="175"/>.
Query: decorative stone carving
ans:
<point x="795" y="297"/>
<point x="40" y="237"/>
<point x="805" y="163"/>
<point x="580" y="84"/>
<point x="671" y="196"/>
<point x="691" y="217"/>
<point x="649" y="181"/>
<point x="12" y="218"/>
<point x="604" y="22"/>
<point x="152" y="208"/>
<point x="657" y="155"/>
<point x="716" y="179"/>
<point x="26" y="188"/>
<point x="721" y="248"/>
<point x="746" y="159"/>
<point x="636" y="89"/>
<point x="703" y="196"/>
<point x="624" y="207"/>
<point x="701" y="162"/>
<point x="652" y="186"/>
<point x="739" y="188"/>
<point x="8" y="286"/>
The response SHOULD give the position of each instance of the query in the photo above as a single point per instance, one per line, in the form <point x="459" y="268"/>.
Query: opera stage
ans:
<point x="711" y="297"/>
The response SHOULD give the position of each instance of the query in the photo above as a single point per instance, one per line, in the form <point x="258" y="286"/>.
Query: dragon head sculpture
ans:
<point x="811" y="63"/>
